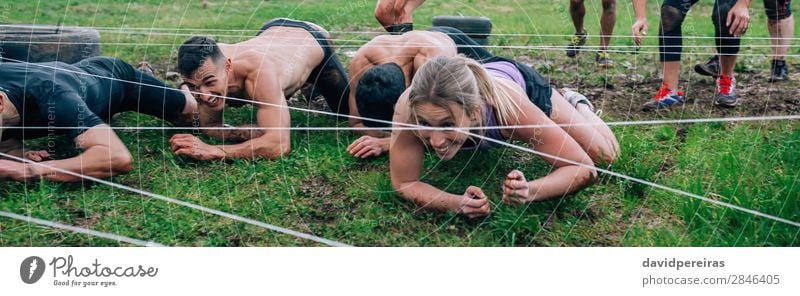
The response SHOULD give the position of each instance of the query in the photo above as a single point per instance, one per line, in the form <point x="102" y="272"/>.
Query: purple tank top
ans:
<point x="503" y="70"/>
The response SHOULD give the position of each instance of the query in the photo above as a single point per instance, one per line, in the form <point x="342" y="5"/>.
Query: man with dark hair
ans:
<point x="266" y="70"/>
<point x="43" y="99"/>
<point x="378" y="87"/>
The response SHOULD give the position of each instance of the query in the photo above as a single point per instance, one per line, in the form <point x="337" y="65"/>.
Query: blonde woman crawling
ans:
<point x="457" y="92"/>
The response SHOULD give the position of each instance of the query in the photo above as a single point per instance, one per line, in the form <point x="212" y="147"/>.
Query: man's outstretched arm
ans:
<point x="104" y="155"/>
<point x="271" y="144"/>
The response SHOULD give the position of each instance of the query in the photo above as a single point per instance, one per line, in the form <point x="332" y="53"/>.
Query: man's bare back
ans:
<point x="409" y="51"/>
<point x="287" y="53"/>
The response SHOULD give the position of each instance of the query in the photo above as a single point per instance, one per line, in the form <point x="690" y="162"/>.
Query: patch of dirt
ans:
<point x="325" y="200"/>
<point x="591" y="214"/>
<point x="86" y="222"/>
<point x="624" y="95"/>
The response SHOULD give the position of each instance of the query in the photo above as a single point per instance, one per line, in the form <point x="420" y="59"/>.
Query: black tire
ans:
<point x="482" y="41"/>
<point x="476" y="27"/>
<point x="34" y="43"/>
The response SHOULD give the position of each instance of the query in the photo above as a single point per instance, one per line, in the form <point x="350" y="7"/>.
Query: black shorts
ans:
<point x="318" y="35"/>
<point x="134" y="90"/>
<point x="537" y="87"/>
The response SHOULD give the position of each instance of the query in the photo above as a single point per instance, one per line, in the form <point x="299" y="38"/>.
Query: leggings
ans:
<point x="778" y="9"/>
<point x="670" y="37"/>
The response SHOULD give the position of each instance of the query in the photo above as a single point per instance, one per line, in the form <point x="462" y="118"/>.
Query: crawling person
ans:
<point x="450" y="94"/>
<point x="265" y="70"/>
<point x="40" y="99"/>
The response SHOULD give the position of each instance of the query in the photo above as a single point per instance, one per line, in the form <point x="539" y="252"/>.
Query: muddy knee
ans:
<point x="603" y="153"/>
<point x="671" y="19"/>
<point x="726" y="43"/>
<point x="670" y="38"/>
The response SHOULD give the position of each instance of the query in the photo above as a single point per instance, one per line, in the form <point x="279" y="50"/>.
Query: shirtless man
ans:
<point x="44" y="99"/>
<point x="265" y="70"/>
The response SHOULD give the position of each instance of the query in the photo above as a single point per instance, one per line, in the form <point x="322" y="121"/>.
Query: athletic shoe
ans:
<point x="399" y="29"/>
<point x="575" y="43"/>
<point x="664" y="98"/>
<point x="574" y="98"/>
<point x="779" y="72"/>
<point x="726" y="91"/>
<point x="603" y="60"/>
<point x="710" y="68"/>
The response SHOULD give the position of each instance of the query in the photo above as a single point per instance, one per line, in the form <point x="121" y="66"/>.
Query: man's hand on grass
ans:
<point x="365" y="147"/>
<point x="191" y="146"/>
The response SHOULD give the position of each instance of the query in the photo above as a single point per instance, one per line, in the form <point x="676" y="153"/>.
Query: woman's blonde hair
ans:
<point x="444" y="80"/>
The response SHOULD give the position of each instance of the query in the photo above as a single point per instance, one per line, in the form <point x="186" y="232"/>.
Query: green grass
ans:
<point x="320" y="189"/>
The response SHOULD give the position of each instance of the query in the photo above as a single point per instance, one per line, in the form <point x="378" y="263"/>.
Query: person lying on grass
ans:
<point x="283" y="57"/>
<point x="459" y="93"/>
<point x="382" y="69"/>
<point x="47" y="99"/>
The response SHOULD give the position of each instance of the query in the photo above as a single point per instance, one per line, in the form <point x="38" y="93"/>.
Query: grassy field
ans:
<point x="320" y="189"/>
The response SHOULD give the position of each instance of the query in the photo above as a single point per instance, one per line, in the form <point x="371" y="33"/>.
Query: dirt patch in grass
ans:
<point x="325" y="201"/>
<point x="757" y="97"/>
<point x="81" y="220"/>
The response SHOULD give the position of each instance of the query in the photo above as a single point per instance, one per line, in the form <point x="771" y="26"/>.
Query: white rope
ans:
<point x="521" y="47"/>
<point x="401" y="125"/>
<point x="187" y="204"/>
<point x="347" y="128"/>
<point x="349" y="43"/>
<point x="134" y="30"/>
<point x="637" y="180"/>
<point x="225" y="97"/>
<point x="86" y="231"/>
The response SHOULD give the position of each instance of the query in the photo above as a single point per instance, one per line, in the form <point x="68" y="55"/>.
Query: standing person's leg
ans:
<point x="728" y="48"/>
<point x="780" y="23"/>
<point x="670" y="45"/>
<point x="607" y="21"/>
<point x="576" y="11"/>
<point x="384" y="13"/>
<point x="396" y="16"/>
<point x="404" y="10"/>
